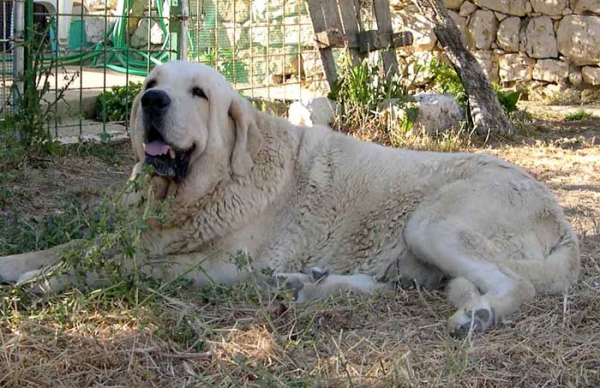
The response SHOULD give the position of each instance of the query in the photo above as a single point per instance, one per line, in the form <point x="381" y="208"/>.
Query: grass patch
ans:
<point x="578" y="116"/>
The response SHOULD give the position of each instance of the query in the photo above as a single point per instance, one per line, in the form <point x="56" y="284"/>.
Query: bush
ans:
<point x="361" y="90"/>
<point x="115" y="104"/>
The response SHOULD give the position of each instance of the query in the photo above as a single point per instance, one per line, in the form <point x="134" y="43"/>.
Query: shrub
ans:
<point x="115" y="104"/>
<point x="578" y="116"/>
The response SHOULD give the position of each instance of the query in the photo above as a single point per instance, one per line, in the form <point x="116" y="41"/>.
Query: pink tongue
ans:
<point x="156" y="148"/>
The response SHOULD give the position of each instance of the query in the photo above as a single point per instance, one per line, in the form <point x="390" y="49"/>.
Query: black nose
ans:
<point x="155" y="100"/>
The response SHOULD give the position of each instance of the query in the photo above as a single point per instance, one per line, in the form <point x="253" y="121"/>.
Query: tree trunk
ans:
<point x="487" y="113"/>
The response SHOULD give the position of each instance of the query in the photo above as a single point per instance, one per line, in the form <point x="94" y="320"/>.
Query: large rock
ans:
<point x="96" y="5"/>
<point x="312" y="64"/>
<point x="453" y="4"/>
<point x="298" y="30"/>
<point x="515" y="67"/>
<point x="552" y="93"/>
<point x="583" y="6"/>
<point x="509" y="7"/>
<point x="237" y="11"/>
<point x="412" y="19"/>
<point x="488" y="63"/>
<point x="140" y="36"/>
<point x="98" y="27"/>
<point x="317" y="111"/>
<point x="508" y="34"/>
<point x="540" y="41"/>
<point x="237" y="35"/>
<point x="591" y="75"/>
<point x="550" y="70"/>
<point x="461" y="23"/>
<point x="549" y="7"/>
<point x="578" y="39"/>
<point x="467" y="9"/>
<point x="483" y="27"/>
<point x="437" y="112"/>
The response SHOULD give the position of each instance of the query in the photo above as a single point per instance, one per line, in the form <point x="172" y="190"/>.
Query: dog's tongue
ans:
<point x="157" y="148"/>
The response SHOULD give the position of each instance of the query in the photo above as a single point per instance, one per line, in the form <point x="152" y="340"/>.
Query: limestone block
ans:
<point x="508" y="34"/>
<point x="578" y="39"/>
<point x="515" y="67"/>
<point x="550" y="70"/>
<point x="483" y="27"/>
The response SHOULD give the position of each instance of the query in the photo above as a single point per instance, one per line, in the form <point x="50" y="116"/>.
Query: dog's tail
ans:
<point x="558" y="271"/>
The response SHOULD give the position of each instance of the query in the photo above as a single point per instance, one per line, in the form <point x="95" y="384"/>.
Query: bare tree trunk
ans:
<point x="486" y="112"/>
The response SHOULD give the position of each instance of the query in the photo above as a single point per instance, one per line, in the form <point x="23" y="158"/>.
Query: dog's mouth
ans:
<point x="167" y="160"/>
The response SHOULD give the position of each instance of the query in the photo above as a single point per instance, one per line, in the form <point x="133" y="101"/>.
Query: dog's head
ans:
<point x="190" y="124"/>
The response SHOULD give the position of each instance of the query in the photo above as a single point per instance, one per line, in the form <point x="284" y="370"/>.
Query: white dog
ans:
<point x="294" y="197"/>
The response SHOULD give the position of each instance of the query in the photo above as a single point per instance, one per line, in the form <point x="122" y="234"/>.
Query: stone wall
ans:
<point x="547" y="48"/>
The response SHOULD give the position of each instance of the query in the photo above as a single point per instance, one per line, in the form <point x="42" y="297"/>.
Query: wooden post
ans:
<point x="384" y="25"/>
<point x="324" y="15"/>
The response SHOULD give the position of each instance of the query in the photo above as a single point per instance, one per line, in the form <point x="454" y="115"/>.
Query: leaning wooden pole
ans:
<point x="486" y="112"/>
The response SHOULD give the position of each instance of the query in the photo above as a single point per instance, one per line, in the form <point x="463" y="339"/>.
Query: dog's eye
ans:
<point x="150" y="84"/>
<point x="198" y="92"/>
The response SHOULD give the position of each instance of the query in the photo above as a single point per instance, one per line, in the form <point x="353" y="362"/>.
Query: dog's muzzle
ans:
<point x="166" y="159"/>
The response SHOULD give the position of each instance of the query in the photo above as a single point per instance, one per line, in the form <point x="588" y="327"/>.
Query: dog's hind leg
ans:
<point x="482" y="289"/>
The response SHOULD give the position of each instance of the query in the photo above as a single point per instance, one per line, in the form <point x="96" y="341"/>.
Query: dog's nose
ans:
<point x="155" y="100"/>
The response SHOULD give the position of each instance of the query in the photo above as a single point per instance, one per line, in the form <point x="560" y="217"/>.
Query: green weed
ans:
<point x="578" y="116"/>
<point x="115" y="104"/>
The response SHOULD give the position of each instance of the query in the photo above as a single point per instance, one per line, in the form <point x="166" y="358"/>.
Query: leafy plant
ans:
<point x="224" y="60"/>
<point x="115" y="104"/>
<point x="578" y="115"/>
<point x="507" y="100"/>
<point x="361" y="90"/>
<point x="25" y="129"/>
<point x="446" y="80"/>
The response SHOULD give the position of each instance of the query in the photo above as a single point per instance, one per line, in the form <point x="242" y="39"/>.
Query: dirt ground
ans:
<point x="230" y="338"/>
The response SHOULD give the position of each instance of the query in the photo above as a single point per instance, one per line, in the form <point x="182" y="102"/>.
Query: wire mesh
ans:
<point x="95" y="47"/>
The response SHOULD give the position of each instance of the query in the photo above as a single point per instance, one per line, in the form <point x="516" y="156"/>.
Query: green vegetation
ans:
<point x="115" y="104"/>
<point x="578" y="116"/>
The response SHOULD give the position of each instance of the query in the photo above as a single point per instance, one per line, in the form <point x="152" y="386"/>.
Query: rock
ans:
<point x="312" y="64"/>
<point x="140" y="36"/>
<point x="237" y="11"/>
<point x="265" y="35"/>
<point x="318" y="111"/>
<point x="583" y="6"/>
<point x="552" y="93"/>
<point x="237" y="35"/>
<point x="550" y="70"/>
<point x="97" y="27"/>
<point x="274" y="10"/>
<point x="540" y="41"/>
<point x="549" y="7"/>
<point x="508" y="34"/>
<point x="591" y="75"/>
<point x="96" y="5"/>
<point x="515" y="67"/>
<point x="488" y="63"/>
<point x="578" y="39"/>
<point x="483" y="27"/>
<point x="461" y="23"/>
<point x="575" y="77"/>
<point x="410" y="18"/>
<point x="509" y="7"/>
<point x="453" y="4"/>
<point x="298" y="30"/>
<point x="467" y="8"/>
<point x="437" y="112"/>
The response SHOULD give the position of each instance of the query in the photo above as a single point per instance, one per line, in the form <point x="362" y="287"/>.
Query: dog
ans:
<point x="295" y="197"/>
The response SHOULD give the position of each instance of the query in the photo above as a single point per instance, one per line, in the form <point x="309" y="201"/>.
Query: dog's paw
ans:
<point x="38" y="281"/>
<point x="477" y="320"/>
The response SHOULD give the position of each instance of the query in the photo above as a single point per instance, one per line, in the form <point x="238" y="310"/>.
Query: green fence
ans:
<point x="84" y="49"/>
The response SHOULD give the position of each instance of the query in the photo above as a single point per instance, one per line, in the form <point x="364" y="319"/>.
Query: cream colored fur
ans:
<point x="294" y="197"/>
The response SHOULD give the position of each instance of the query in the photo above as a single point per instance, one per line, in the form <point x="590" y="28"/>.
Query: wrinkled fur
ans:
<point x="294" y="197"/>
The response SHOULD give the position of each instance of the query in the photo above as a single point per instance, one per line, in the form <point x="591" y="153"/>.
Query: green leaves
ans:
<point x="115" y="104"/>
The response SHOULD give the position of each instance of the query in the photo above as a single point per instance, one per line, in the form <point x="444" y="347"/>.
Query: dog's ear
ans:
<point x="137" y="140"/>
<point x="248" y="139"/>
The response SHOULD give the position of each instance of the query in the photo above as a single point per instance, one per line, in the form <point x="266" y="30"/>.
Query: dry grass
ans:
<point x="235" y="337"/>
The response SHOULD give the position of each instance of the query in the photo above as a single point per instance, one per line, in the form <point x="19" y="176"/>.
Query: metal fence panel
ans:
<point x="263" y="47"/>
